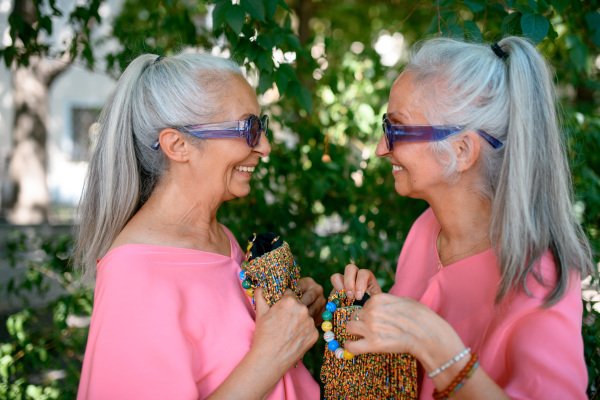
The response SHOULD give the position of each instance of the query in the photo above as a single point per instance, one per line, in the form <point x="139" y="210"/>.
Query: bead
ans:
<point x="250" y="292"/>
<point x="331" y="306"/>
<point x="348" y="355"/>
<point x="339" y="353"/>
<point x="328" y="336"/>
<point x="337" y="302"/>
<point x="246" y="284"/>
<point x="242" y="275"/>
<point x="327" y="316"/>
<point x="327" y="326"/>
<point x="334" y="344"/>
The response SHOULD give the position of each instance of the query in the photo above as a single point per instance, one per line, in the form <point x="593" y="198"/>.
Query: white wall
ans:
<point x="76" y="86"/>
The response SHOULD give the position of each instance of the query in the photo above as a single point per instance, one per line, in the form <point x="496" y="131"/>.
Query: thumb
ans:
<point x="261" y="304"/>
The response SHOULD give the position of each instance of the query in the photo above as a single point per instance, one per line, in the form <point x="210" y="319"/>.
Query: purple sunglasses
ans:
<point x="426" y="133"/>
<point x="250" y="129"/>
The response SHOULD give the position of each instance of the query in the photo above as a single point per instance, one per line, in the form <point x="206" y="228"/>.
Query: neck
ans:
<point x="174" y="208"/>
<point x="465" y="220"/>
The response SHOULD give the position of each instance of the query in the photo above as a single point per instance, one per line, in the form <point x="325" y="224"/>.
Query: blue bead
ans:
<point x="242" y="275"/>
<point x="333" y="345"/>
<point x="327" y="316"/>
<point x="331" y="306"/>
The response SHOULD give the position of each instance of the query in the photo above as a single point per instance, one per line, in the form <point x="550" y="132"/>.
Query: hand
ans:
<point x="312" y="297"/>
<point x="390" y="324"/>
<point x="283" y="332"/>
<point x="355" y="282"/>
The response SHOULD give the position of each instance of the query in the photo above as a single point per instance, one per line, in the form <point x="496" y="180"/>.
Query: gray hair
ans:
<point x="527" y="180"/>
<point x="153" y="93"/>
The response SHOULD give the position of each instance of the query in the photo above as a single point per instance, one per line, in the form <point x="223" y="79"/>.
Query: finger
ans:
<point x="357" y="328"/>
<point x="309" y="297"/>
<point x="361" y="346"/>
<point x="305" y="283"/>
<point x="364" y="279"/>
<point x="350" y="280"/>
<point x="337" y="280"/>
<point x="261" y="304"/>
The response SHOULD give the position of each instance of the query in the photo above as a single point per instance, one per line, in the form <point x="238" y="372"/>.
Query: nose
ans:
<point x="382" y="149"/>
<point x="263" y="148"/>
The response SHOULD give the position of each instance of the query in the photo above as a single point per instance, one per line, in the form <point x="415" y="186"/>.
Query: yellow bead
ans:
<point x="348" y="355"/>
<point x="250" y="292"/>
<point x="327" y="326"/>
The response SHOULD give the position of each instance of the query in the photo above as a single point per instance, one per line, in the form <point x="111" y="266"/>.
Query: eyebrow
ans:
<point x="398" y="114"/>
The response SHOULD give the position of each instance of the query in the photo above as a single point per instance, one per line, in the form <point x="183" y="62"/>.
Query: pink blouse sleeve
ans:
<point x="543" y="360"/>
<point x="137" y="348"/>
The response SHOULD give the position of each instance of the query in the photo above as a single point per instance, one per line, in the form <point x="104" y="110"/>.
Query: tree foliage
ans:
<point x="319" y="68"/>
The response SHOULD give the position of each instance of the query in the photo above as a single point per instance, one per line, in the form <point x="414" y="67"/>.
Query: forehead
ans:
<point x="403" y="106"/>
<point x="238" y="99"/>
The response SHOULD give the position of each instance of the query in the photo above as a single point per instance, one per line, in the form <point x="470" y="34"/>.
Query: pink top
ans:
<point x="172" y="323"/>
<point x="531" y="352"/>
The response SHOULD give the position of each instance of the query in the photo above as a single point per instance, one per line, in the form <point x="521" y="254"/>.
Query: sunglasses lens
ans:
<point x="265" y="124"/>
<point x="386" y="133"/>
<point x="253" y="131"/>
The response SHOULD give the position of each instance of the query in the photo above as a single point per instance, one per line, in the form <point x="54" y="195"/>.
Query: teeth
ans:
<point x="244" y="169"/>
<point x="396" y="168"/>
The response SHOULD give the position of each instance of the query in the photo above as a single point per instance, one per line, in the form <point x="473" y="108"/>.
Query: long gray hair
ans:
<point x="527" y="180"/>
<point x="153" y="93"/>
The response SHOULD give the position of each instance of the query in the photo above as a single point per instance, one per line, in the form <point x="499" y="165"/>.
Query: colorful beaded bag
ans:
<point x="365" y="376"/>
<point x="269" y="263"/>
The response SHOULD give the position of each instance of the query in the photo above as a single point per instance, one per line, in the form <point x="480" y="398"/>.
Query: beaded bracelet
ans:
<point x="449" y="363"/>
<point x="329" y="336"/>
<point x="460" y="379"/>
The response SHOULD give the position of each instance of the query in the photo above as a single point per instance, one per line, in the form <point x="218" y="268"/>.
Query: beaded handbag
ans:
<point x="365" y="376"/>
<point x="269" y="263"/>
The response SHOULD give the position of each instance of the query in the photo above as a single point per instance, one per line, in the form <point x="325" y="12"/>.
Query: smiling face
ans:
<point x="416" y="171"/>
<point x="224" y="167"/>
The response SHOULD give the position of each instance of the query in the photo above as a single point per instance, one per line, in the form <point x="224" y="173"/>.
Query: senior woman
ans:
<point x="487" y="291"/>
<point x="179" y="136"/>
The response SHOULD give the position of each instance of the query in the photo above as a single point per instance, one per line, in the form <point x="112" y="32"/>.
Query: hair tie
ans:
<point x="499" y="52"/>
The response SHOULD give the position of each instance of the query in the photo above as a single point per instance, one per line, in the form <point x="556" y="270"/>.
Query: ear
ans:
<point x="174" y="145"/>
<point x="467" y="150"/>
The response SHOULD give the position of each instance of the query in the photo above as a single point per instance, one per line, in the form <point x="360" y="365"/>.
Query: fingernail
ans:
<point x="359" y="295"/>
<point x="349" y="294"/>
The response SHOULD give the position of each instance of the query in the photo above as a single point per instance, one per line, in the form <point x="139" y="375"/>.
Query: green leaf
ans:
<point x="271" y="7"/>
<point x="577" y="51"/>
<point x="255" y="8"/>
<point x="511" y="24"/>
<point x="294" y="41"/>
<point x="305" y="99"/>
<point x="535" y="26"/>
<point x="283" y="4"/>
<point x="472" y="31"/>
<point x="265" y="81"/>
<point x="219" y="13"/>
<point x="542" y="6"/>
<point x="561" y="5"/>
<point x="265" y="61"/>
<point x="266" y="42"/>
<point x="282" y="81"/>
<point x="593" y="21"/>
<point x="475" y="5"/>
<point x="525" y="6"/>
<point x="235" y="17"/>
<point x="454" y="31"/>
